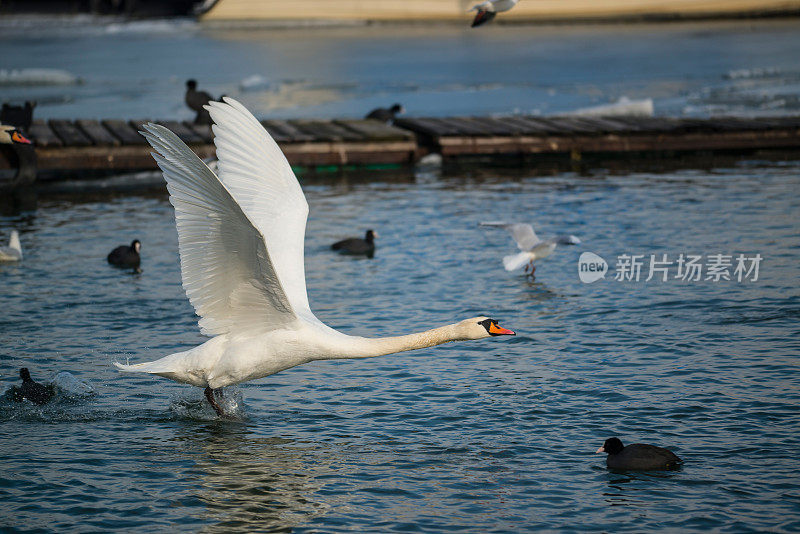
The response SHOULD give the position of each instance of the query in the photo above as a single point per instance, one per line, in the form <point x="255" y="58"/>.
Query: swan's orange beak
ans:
<point x="19" y="138"/>
<point x="496" y="330"/>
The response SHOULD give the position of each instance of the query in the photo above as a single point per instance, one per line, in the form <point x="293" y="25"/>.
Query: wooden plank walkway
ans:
<point x="455" y="137"/>
<point x="71" y="147"/>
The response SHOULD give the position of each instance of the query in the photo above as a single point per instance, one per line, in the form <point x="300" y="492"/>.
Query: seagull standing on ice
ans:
<point x="240" y="237"/>
<point x="489" y="9"/>
<point x="531" y="246"/>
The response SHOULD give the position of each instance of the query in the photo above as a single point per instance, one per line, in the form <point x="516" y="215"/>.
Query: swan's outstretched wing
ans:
<point x="523" y="234"/>
<point x="255" y="171"/>
<point x="228" y="273"/>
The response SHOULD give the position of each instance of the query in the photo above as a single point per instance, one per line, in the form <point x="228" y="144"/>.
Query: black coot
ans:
<point x="30" y="390"/>
<point x="123" y="256"/>
<point x="638" y="457"/>
<point x="385" y="114"/>
<point x="357" y="246"/>
<point x="196" y="100"/>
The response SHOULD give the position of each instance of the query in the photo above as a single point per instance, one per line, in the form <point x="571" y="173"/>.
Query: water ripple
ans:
<point x="492" y="436"/>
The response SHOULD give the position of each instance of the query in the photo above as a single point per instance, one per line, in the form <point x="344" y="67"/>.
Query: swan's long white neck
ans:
<point x="362" y="347"/>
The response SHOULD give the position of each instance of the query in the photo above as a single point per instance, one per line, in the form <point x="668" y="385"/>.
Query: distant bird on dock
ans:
<point x="124" y="256"/>
<point x="13" y="252"/>
<point x="386" y="114"/>
<point x="30" y="390"/>
<point x="638" y="457"/>
<point x="196" y="100"/>
<point x="240" y="237"/>
<point x="357" y="246"/>
<point x="487" y="10"/>
<point x="529" y="243"/>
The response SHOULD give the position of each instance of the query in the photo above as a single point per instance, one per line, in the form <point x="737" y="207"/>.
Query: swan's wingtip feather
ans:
<point x="154" y="132"/>
<point x="230" y="100"/>
<point x="229" y="108"/>
<point x="226" y="102"/>
<point x="151" y="128"/>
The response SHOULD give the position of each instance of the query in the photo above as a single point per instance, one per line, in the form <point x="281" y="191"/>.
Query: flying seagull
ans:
<point x="487" y="10"/>
<point x="529" y="243"/>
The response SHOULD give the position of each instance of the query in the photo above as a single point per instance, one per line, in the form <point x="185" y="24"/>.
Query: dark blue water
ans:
<point x="496" y="435"/>
<point x="138" y="69"/>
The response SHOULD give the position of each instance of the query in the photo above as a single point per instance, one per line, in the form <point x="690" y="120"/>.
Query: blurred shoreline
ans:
<point x="549" y="11"/>
<point x="290" y="19"/>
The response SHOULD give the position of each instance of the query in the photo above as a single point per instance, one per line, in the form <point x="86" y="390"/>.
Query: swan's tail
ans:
<point x="516" y="261"/>
<point x="165" y="367"/>
<point x="172" y="367"/>
<point x="146" y="367"/>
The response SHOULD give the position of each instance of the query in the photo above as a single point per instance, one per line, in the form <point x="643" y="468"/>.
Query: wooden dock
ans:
<point x="66" y="148"/>
<point x="469" y="136"/>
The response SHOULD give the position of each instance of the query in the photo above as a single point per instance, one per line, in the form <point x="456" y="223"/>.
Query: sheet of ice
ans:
<point x="37" y="77"/>
<point x="624" y="107"/>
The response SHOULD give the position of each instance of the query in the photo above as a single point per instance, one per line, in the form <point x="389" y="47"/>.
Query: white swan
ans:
<point x="531" y="246"/>
<point x="240" y="236"/>
<point x="13" y="252"/>
<point x="487" y="10"/>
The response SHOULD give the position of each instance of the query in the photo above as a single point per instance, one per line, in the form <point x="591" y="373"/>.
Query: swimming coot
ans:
<point x="638" y="457"/>
<point x="30" y="390"/>
<point x="357" y="246"/>
<point x="123" y="256"/>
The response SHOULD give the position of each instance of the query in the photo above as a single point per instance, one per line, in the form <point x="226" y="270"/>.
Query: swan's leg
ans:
<point x="210" y="396"/>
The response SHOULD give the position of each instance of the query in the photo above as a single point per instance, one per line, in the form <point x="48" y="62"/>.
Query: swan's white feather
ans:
<point x="227" y="272"/>
<point x="255" y="171"/>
